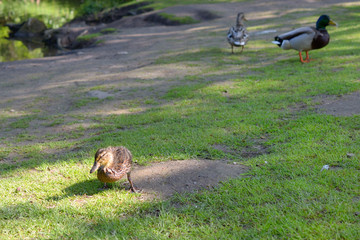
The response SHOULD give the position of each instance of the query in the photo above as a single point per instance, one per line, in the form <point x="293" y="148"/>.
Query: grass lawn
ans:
<point x="236" y="101"/>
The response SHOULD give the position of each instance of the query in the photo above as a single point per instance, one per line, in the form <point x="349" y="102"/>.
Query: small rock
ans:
<point x="325" y="167"/>
<point x="350" y="155"/>
<point x="30" y="28"/>
<point x="122" y="53"/>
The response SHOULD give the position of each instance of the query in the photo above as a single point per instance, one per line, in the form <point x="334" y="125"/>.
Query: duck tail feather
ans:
<point x="276" y="42"/>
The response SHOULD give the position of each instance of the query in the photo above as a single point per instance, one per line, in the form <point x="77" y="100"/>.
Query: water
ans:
<point x="54" y="13"/>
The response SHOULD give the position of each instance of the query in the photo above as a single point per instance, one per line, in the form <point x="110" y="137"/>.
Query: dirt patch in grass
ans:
<point x="254" y="150"/>
<point x="346" y="105"/>
<point x="162" y="180"/>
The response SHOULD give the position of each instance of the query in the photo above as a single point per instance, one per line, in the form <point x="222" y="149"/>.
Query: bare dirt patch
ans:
<point x="161" y="180"/>
<point x="346" y="105"/>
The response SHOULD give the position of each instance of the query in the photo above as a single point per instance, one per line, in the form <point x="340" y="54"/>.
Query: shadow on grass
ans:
<point x="88" y="188"/>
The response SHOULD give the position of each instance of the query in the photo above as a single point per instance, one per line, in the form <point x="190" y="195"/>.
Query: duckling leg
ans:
<point x="132" y="188"/>
<point x="232" y="49"/>
<point x="104" y="187"/>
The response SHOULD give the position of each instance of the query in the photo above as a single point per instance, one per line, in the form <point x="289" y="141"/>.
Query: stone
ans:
<point x="31" y="28"/>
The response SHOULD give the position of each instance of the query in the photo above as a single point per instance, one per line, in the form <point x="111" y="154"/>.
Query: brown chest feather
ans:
<point x="120" y="166"/>
<point x="321" y="39"/>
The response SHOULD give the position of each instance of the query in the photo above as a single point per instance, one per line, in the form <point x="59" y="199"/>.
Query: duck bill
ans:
<point x="333" y="23"/>
<point x="94" y="167"/>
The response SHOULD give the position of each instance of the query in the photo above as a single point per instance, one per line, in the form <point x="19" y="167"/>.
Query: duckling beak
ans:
<point x="333" y="23"/>
<point x="94" y="167"/>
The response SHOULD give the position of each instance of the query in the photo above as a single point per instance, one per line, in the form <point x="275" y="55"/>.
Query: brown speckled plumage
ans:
<point x="238" y="36"/>
<point x="112" y="163"/>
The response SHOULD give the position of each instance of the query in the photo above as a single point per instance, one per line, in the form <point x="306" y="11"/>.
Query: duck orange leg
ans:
<point x="307" y="59"/>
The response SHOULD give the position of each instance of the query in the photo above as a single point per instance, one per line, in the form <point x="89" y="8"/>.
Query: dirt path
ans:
<point x="122" y="67"/>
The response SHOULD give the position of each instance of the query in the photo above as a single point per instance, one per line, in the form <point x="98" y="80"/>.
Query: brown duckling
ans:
<point x="112" y="163"/>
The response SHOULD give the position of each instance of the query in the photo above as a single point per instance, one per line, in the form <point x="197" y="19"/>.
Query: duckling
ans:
<point x="238" y="36"/>
<point x="306" y="38"/>
<point x="112" y="163"/>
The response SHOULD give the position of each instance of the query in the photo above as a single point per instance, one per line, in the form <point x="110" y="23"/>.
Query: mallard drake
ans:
<point x="306" y="38"/>
<point x="237" y="35"/>
<point x="112" y="163"/>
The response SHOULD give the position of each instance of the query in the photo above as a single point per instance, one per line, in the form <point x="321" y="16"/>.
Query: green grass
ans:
<point x="235" y="101"/>
<point x="108" y="30"/>
<point x="88" y="37"/>
<point x="180" y="20"/>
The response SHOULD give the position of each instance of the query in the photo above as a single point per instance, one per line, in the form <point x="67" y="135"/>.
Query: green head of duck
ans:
<point x="323" y="21"/>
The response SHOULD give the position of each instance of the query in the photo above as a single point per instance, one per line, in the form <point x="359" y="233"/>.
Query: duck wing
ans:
<point x="245" y="37"/>
<point x="122" y="161"/>
<point x="238" y="36"/>
<point x="231" y="34"/>
<point x="300" y="39"/>
<point x="114" y="175"/>
<point x="309" y="31"/>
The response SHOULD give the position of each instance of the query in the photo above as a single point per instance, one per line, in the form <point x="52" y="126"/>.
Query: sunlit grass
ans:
<point x="51" y="195"/>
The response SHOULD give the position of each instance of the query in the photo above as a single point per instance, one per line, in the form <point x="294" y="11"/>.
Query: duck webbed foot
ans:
<point x="132" y="188"/>
<point x="307" y="59"/>
<point x="242" y="49"/>
<point x="104" y="187"/>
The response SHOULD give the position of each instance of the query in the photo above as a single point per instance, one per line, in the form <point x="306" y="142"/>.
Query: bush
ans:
<point x="93" y="6"/>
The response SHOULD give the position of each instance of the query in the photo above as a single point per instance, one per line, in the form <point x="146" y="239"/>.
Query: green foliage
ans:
<point x="89" y="37"/>
<point x="160" y="4"/>
<point x="108" y="30"/>
<point x="54" y="14"/>
<point x="181" y="20"/>
<point x="94" y="6"/>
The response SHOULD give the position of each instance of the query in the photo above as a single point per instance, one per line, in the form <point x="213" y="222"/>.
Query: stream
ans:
<point x="54" y="13"/>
